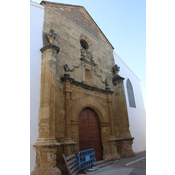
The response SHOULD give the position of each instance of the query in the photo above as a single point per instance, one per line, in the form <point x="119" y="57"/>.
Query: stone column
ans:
<point x="110" y="115"/>
<point x="67" y="97"/>
<point x="94" y="75"/>
<point x="122" y="107"/>
<point x="68" y="142"/>
<point x="46" y="145"/>
<point x="112" y="138"/>
<point x="124" y="140"/>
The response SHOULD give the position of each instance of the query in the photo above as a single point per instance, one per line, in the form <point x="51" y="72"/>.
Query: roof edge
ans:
<point x="98" y="27"/>
<point x="54" y="3"/>
<point x="44" y="2"/>
<point x="36" y="5"/>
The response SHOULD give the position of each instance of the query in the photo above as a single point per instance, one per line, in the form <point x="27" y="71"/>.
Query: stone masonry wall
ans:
<point x="70" y="23"/>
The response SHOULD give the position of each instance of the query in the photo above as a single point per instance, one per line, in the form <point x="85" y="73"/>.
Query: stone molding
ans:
<point x="50" y="46"/>
<point x="88" y="62"/>
<point x="116" y="79"/>
<point x="75" y="122"/>
<point x="123" y="138"/>
<point x="105" y="124"/>
<point x="85" y="86"/>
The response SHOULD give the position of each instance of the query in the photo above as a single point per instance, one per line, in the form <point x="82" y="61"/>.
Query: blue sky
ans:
<point x="124" y="24"/>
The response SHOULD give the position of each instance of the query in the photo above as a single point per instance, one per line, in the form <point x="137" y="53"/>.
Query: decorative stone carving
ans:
<point x="115" y="69"/>
<point x="67" y="69"/>
<point x="96" y="73"/>
<point x="85" y="86"/>
<point x="87" y="56"/>
<point x="106" y="82"/>
<point x="73" y="97"/>
<point x="116" y="77"/>
<point x="51" y="36"/>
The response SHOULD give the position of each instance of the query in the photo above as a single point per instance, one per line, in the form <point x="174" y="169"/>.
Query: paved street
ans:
<point x="119" y="167"/>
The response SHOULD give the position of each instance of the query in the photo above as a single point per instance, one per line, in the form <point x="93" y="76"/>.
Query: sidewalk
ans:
<point x="119" y="166"/>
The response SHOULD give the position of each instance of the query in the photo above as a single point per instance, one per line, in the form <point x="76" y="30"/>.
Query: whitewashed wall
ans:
<point x="137" y="116"/>
<point x="36" y="43"/>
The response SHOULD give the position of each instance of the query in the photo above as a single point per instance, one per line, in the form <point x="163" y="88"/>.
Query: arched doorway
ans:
<point x="89" y="132"/>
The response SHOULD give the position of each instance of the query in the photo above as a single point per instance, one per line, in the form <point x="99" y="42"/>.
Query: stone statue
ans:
<point x="51" y="36"/>
<point x="115" y="69"/>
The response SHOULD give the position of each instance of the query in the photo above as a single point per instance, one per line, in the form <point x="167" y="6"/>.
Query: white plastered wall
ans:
<point x="137" y="116"/>
<point x="36" y="43"/>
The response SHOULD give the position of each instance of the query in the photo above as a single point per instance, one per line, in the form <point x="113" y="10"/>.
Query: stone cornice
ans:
<point x="50" y="46"/>
<point x="104" y="124"/>
<point x="124" y="138"/>
<point x="49" y="145"/>
<point x="88" y="62"/>
<point x="85" y="86"/>
<point x="118" y="77"/>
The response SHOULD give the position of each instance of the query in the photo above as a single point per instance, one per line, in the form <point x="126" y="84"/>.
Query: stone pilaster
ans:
<point x="67" y="91"/>
<point x="123" y="130"/>
<point x="68" y="142"/>
<point x="112" y="141"/>
<point x="46" y="145"/>
<point x="110" y="114"/>
<point x="83" y="71"/>
<point x="113" y="148"/>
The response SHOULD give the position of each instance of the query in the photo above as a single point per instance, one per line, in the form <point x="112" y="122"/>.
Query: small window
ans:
<point x="130" y="94"/>
<point x="84" y="44"/>
<point x="88" y="73"/>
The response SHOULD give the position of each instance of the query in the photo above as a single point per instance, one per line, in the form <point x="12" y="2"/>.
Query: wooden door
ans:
<point x="89" y="132"/>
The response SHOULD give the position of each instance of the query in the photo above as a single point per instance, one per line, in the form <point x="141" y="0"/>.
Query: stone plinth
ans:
<point x="46" y="160"/>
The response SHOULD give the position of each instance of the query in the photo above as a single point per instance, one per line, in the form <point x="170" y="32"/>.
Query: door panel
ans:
<point x="89" y="132"/>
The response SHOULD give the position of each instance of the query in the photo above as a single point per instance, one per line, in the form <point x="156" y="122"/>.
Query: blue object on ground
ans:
<point x="86" y="158"/>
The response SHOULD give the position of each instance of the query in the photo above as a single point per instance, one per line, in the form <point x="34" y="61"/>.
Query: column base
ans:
<point x="68" y="144"/>
<point x="124" y="145"/>
<point x="107" y="157"/>
<point x="45" y="163"/>
<point x="127" y="148"/>
<point x="68" y="140"/>
<point x="46" y="171"/>
<point x="113" y="147"/>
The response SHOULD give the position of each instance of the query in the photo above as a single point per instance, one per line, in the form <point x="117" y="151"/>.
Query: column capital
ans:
<point x="50" y="46"/>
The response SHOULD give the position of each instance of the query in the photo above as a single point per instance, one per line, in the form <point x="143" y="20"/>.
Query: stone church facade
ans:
<point x="82" y="97"/>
